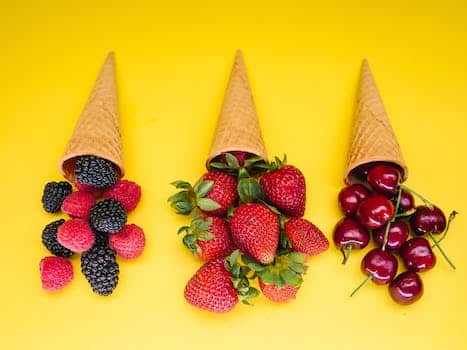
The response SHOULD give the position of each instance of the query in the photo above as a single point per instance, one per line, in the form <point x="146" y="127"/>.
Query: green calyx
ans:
<point x="190" y="197"/>
<point x="253" y="164"/>
<point x="197" y="231"/>
<point x="240" y="279"/>
<point x="286" y="269"/>
<point x="277" y="163"/>
<point x="285" y="246"/>
<point x="248" y="188"/>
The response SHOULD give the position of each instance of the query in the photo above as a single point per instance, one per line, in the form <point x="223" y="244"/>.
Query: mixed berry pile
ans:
<point x="97" y="226"/>
<point x="380" y="206"/>
<point x="246" y="224"/>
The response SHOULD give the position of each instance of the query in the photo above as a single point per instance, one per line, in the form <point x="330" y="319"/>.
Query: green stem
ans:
<point x="424" y="200"/>
<point x="405" y="214"/>
<point x="388" y="224"/>
<point x="361" y="285"/>
<point x="436" y="244"/>
<point x="346" y="253"/>
<point x="452" y="216"/>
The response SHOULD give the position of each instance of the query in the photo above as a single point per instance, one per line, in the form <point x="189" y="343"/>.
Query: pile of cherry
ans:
<point x="247" y="224"/>
<point x="380" y="206"/>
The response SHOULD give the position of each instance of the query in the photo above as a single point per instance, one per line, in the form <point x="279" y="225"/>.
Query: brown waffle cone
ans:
<point x="97" y="131"/>
<point x="238" y="126"/>
<point x="373" y="138"/>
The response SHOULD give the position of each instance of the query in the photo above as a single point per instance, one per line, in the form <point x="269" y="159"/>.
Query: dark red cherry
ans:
<point x="406" y="288"/>
<point x="417" y="255"/>
<point x="348" y="235"/>
<point x="384" y="178"/>
<point x="380" y="265"/>
<point x="397" y="235"/>
<point x="375" y="211"/>
<point x="427" y="220"/>
<point x="360" y="173"/>
<point x="350" y="197"/>
<point x="407" y="202"/>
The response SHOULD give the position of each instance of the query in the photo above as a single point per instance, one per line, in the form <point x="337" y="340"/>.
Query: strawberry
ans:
<point x="208" y="237"/>
<point x="255" y="230"/>
<point x="219" y="284"/>
<point x="240" y="156"/>
<point x="305" y="237"/>
<point x="280" y="280"/>
<point x="278" y="295"/>
<point x="284" y="187"/>
<point x="214" y="193"/>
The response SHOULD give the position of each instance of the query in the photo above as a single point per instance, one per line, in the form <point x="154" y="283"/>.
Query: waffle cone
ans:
<point x="238" y="126"/>
<point x="97" y="131"/>
<point x="373" y="138"/>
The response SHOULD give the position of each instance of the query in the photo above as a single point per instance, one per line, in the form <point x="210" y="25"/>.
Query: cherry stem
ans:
<point x="436" y="244"/>
<point x="452" y="216"/>
<point x="426" y="201"/>
<point x="388" y="224"/>
<point x="404" y="214"/>
<point x="370" y="277"/>
<point x="346" y="253"/>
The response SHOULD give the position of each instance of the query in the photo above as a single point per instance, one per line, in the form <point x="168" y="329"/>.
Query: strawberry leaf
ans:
<point x="232" y="161"/>
<point x="297" y="257"/>
<point x="204" y="236"/>
<point x="181" y="184"/>
<point x="249" y="190"/>
<point x="291" y="278"/>
<point x="208" y="204"/>
<point x="183" y="229"/>
<point x="203" y="188"/>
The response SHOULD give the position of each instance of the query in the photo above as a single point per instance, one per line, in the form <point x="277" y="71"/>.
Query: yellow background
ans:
<point x="173" y="64"/>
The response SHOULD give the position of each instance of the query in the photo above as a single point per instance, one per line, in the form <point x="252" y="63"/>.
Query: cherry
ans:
<point x="397" y="235"/>
<point x="417" y="255"/>
<point x="350" y="197"/>
<point x="348" y="235"/>
<point x="375" y="211"/>
<point x="361" y="172"/>
<point x="407" y="202"/>
<point x="427" y="220"/>
<point x="406" y="288"/>
<point x="380" y="266"/>
<point x="384" y="179"/>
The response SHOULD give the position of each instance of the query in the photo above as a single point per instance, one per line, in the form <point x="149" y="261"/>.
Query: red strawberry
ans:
<point x="214" y="193"/>
<point x="278" y="295"/>
<point x="219" y="284"/>
<point x="255" y="230"/>
<point x="239" y="155"/>
<point x="281" y="280"/>
<point x="211" y="288"/>
<point x="305" y="237"/>
<point x="78" y="204"/>
<point x="208" y="237"/>
<point x="284" y="187"/>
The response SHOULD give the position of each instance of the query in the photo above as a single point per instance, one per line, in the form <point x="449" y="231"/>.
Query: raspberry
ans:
<point x="126" y="192"/>
<point x="56" y="272"/>
<point x="54" y="194"/>
<point x="128" y="243"/>
<point x="78" y="204"/>
<point x="76" y="235"/>
<point x="96" y="192"/>
<point x="95" y="171"/>
<point x="49" y="239"/>
<point x="108" y="216"/>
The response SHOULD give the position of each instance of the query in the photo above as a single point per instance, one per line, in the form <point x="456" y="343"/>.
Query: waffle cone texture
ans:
<point x="97" y="131"/>
<point x="238" y="126"/>
<point x="373" y="138"/>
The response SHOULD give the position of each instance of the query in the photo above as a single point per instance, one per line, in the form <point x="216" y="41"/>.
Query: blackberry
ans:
<point x="49" y="239"/>
<point x="54" y="194"/>
<point x="108" y="216"/>
<point x="101" y="237"/>
<point x="99" y="266"/>
<point x="95" y="171"/>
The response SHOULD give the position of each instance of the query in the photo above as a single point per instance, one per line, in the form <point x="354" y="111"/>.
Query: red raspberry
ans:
<point x="56" y="272"/>
<point x="129" y="242"/>
<point x="76" y="235"/>
<point x="96" y="192"/>
<point x="78" y="204"/>
<point x="126" y="192"/>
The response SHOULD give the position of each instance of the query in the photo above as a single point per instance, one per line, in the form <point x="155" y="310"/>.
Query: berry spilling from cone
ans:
<point x="379" y="204"/>
<point x="96" y="228"/>
<point x="247" y="225"/>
